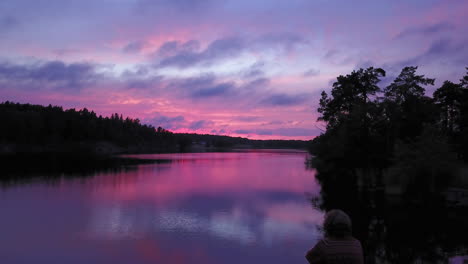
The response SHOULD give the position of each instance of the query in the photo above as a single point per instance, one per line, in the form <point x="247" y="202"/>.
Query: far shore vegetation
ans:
<point x="51" y="129"/>
<point x="51" y="140"/>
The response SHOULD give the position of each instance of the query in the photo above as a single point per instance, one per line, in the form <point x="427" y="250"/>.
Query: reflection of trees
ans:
<point x="52" y="168"/>
<point x="395" y="229"/>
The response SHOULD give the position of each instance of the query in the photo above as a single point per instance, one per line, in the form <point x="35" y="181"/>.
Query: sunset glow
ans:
<point x="242" y="68"/>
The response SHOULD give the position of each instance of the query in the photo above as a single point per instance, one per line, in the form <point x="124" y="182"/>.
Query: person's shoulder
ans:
<point x="319" y="246"/>
<point x="315" y="254"/>
<point x="323" y="243"/>
<point x="342" y="242"/>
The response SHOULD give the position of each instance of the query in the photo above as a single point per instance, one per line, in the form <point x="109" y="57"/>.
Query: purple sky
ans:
<point x="251" y="68"/>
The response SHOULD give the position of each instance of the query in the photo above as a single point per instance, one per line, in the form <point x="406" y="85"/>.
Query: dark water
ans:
<point x="248" y="207"/>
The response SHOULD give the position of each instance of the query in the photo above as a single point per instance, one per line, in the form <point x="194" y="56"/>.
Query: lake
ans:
<point x="236" y="207"/>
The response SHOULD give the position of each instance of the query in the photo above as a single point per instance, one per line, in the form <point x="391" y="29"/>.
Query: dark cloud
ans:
<point x="262" y="132"/>
<point x="186" y="56"/>
<point x="172" y="48"/>
<point x="311" y="72"/>
<point x="141" y="77"/>
<point x="274" y="122"/>
<point x="254" y="71"/>
<point x="202" y="87"/>
<point x="246" y="118"/>
<point x="55" y="74"/>
<point x="215" y="90"/>
<point x="283" y="40"/>
<point x="181" y="60"/>
<point x="442" y="50"/>
<point x="175" y="54"/>
<point x="138" y="83"/>
<point x="167" y="122"/>
<point x="178" y="122"/>
<point x="260" y="82"/>
<point x="440" y="47"/>
<point x="134" y="47"/>
<point x="168" y="48"/>
<point x="426" y="30"/>
<point x="331" y="54"/>
<point x="194" y="82"/>
<point x="297" y="132"/>
<point x="208" y="86"/>
<point x="339" y="57"/>
<point x="289" y="132"/>
<point x="243" y="131"/>
<point x="201" y="124"/>
<point x="281" y="99"/>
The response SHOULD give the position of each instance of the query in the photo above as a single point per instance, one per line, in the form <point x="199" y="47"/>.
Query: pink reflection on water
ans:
<point x="264" y="188"/>
<point x="213" y="174"/>
<point x="200" y="208"/>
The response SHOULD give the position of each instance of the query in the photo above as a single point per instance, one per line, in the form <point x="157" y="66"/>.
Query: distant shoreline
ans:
<point x="36" y="129"/>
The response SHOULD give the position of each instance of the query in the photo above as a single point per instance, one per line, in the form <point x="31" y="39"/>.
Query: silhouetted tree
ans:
<point x="403" y="140"/>
<point x="449" y="99"/>
<point x="350" y="94"/>
<point x="464" y="80"/>
<point x="29" y="127"/>
<point x="407" y="86"/>
<point x="406" y="106"/>
<point x="463" y="122"/>
<point x="364" y="129"/>
<point x="350" y="113"/>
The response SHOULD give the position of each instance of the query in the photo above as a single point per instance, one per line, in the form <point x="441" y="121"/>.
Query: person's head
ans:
<point x="337" y="224"/>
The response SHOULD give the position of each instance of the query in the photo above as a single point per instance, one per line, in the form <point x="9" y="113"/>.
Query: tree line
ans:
<point x="36" y="128"/>
<point x="398" y="126"/>
<point x="35" y="125"/>
<point x="219" y="141"/>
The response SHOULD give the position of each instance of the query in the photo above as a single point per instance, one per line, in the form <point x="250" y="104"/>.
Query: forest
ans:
<point x="372" y="127"/>
<point x="395" y="160"/>
<point x="51" y="129"/>
<point x="36" y="128"/>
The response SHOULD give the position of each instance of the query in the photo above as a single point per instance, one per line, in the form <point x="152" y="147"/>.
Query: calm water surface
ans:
<point x="248" y="207"/>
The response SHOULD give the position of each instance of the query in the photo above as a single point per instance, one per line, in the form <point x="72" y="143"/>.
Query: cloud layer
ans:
<point x="243" y="68"/>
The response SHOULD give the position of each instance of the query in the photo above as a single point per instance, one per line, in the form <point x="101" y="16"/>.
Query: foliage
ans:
<point x="220" y="141"/>
<point x="365" y="123"/>
<point x="396" y="141"/>
<point x="36" y="128"/>
<point x="449" y="98"/>
<point x="429" y="157"/>
<point x="407" y="86"/>
<point x="350" y="94"/>
<point x="35" y="125"/>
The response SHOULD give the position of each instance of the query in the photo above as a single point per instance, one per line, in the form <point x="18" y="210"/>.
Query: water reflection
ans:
<point x="200" y="208"/>
<point x="53" y="168"/>
<point x="417" y="225"/>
